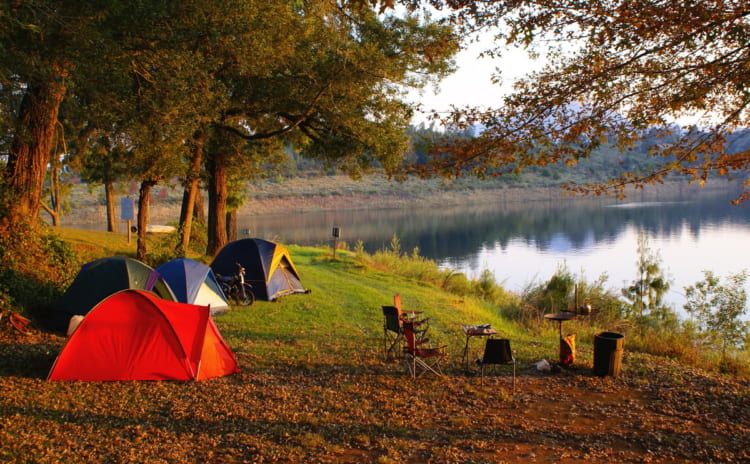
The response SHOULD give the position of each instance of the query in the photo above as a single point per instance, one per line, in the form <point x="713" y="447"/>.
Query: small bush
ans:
<point x="420" y="268"/>
<point x="457" y="283"/>
<point x="35" y="269"/>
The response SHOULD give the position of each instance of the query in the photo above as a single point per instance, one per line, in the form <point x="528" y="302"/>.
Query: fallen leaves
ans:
<point x="290" y="410"/>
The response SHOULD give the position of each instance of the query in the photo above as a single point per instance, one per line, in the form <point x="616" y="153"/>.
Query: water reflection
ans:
<point x="522" y="242"/>
<point x="457" y="231"/>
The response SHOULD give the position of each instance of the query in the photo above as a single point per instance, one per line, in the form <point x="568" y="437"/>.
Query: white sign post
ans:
<point x="127" y="212"/>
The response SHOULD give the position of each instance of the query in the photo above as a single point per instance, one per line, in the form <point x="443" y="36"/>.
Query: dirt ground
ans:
<point x="363" y="410"/>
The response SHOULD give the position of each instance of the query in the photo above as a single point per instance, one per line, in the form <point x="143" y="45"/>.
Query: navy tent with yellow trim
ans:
<point x="268" y="267"/>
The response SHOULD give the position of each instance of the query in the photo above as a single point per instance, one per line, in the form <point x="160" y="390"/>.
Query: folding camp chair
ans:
<point x="417" y="359"/>
<point x="497" y="351"/>
<point x="393" y="334"/>
<point x="408" y="315"/>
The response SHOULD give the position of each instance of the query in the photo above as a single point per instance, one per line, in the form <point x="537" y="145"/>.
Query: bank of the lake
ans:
<point x="306" y="194"/>
<point x="521" y="234"/>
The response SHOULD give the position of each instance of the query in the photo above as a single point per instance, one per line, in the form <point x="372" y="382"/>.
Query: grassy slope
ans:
<point x="344" y="307"/>
<point x="344" y="304"/>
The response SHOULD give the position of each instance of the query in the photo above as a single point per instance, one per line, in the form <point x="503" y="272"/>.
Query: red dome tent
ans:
<point x="135" y="335"/>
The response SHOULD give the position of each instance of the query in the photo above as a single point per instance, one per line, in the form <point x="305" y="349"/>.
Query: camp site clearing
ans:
<point x="312" y="386"/>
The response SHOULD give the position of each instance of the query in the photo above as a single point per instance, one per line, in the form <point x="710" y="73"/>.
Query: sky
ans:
<point x="471" y="84"/>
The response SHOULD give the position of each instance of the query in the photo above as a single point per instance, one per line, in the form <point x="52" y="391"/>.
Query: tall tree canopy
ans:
<point x="333" y="90"/>
<point x="41" y="44"/>
<point x="615" y="68"/>
<point x="156" y="79"/>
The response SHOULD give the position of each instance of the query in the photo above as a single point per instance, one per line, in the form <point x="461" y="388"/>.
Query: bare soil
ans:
<point x="362" y="410"/>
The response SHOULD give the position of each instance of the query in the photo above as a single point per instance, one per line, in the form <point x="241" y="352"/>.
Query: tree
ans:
<point x="646" y="293"/>
<point x="718" y="308"/>
<point x="332" y="90"/>
<point x="156" y="95"/>
<point x="324" y="77"/>
<point x="191" y="190"/>
<point x="100" y="158"/>
<point x="615" y="70"/>
<point x="42" y="43"/>
<point x="56" y="190"/>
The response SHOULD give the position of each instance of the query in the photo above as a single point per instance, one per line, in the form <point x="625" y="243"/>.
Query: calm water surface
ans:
<point x="526" y="243"/>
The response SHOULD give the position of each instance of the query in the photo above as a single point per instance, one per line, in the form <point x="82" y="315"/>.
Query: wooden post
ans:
<point x="336" y="234"/>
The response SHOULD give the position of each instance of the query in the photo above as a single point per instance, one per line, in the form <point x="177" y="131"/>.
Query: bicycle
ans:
<point x="235" y="288"/>
<point x="16" y="321"/>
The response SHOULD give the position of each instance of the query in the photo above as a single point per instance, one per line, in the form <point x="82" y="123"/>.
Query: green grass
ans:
<point x="342" y="314"/>
<point x="92" y="244"/>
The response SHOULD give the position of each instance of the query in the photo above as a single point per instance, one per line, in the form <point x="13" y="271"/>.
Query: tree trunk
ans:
<point x="231" y="223"/>
<point x="144" y="198"/>
<point x="199" y="213"/>
<point x="30" y="150"/>
<point x="109" y="194"/>
<point x="54" y="196"/>
<point x="217" y="201"/>
<point x="51" y="213"/>
<point x="192" y="191"/>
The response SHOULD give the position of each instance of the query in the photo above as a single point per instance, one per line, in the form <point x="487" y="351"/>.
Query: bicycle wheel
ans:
<point x="249" y="298"/>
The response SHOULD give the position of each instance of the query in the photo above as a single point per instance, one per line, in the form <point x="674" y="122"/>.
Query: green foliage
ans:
<point x="595" y="296"/>
<point x="457" y="283"/>
<point x="716" y="310"/>
<point x="359" y="248"/>
<point x="646" y="293"/>
<point x="34" y="269"/>
<point x="553" y="295"/>
<point x="486" y="286"/>
<point x="559" y="287"/>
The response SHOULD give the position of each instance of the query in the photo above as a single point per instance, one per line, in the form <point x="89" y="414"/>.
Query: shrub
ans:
<point x="717" y="311"/>
<point x="420" y="268"/>
<point x="457" y="283"/>
<point x="34" y="269"/>
<point x="553" y="295"/>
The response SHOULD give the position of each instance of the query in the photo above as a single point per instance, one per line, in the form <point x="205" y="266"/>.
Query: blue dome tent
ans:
<point x="193" y="283"/>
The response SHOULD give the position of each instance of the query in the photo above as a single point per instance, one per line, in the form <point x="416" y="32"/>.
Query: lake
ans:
<point x="522" y="243"/>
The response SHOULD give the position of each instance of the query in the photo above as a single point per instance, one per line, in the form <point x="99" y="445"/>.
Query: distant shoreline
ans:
<point x="334" y="193"/>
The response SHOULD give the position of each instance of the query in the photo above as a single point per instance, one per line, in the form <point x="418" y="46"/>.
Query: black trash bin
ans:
<point x="608" y="347"/>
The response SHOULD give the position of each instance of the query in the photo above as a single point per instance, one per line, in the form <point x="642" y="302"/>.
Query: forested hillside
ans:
<point x="604" y="163"/>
